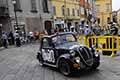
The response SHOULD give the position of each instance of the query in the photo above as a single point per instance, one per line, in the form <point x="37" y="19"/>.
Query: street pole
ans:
<point x="85" y="13"/>
<point x="65" y="23"/>
<point x="0" y="30"/>
<point x="16" y="20"/>
<point x="111" y="9"/>
<point x="0" y="34"/>
<point x="16" y="17"/>
<point x="65" y="8"/>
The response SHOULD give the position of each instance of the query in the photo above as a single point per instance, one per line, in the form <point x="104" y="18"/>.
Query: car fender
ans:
<point x="65" y="57"/>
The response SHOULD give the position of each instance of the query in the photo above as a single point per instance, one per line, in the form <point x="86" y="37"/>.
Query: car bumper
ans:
<point x="81" y="65"/>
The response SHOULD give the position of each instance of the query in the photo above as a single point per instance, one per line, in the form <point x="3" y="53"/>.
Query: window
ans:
<point x="98" y="21"/>
<point x="73" y="12"/>
<point x="18" y="6"/>
<point x="33" y="6"/>
<point x="97" y="8"/>
<point x="82" y="10"/>
<point x="45" y="43"/>
<point x="54" y="10"/>
<point x="108" y="19"/>
<point x="107" y="7"/>
<point x="63" y="10"/>
<point x="45" y="6"/>
<point x="89" y="2"/>
<point x="62" y="39"/>
<point x="68" y="11"/>
<point x="85" y="0"/>
<point x="78" y="12"/>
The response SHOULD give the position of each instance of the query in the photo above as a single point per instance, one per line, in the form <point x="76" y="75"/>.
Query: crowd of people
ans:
<point x="17" y="39"/>
<point x="86" y="29"/>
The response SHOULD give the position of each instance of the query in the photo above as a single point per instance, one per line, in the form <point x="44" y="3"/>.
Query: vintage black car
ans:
<point x="62" y="51"/>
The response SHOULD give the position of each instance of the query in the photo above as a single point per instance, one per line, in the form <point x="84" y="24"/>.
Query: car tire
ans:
<point x="64" y="68"/>
<point x="40" y="59"/>
<point x="95" y="65"/>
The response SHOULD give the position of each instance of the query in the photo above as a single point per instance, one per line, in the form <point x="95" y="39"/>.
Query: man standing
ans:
<point x="114" y="29"/>
<point x="4" y="39"/>
<point x="11" y="38"/>
<point x="87" y="30"/>
<point x="17" y="39"/>
<point x="0" y="35"/>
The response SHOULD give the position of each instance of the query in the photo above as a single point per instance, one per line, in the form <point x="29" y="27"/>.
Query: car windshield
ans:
<point x="61" y="39"/>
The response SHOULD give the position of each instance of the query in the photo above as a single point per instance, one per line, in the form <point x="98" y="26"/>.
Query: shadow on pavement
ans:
<point x="75" y="74"/>
<point x="84" y="73"/>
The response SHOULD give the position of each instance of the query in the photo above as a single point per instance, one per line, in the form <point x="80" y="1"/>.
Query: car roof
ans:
<point x="56" y="34"/>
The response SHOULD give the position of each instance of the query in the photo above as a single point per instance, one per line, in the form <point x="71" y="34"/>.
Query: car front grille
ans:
<point x="86" y="55"/>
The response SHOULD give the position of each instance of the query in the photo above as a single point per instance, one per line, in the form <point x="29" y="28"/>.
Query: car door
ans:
<point x="48" y="51"/>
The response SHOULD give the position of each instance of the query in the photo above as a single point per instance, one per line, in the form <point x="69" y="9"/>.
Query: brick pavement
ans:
<point x="21" y="64"/>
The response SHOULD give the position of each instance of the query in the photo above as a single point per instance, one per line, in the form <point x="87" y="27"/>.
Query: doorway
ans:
<point x="48" y="27"/>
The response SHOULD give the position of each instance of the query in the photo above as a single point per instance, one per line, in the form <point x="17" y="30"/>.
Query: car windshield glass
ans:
<point x="61" y="39"/>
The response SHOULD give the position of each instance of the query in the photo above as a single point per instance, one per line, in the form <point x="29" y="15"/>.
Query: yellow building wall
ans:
<point x="102" y="13"/>
<point x="118" y="17"/>
<point x="69" y="4"/>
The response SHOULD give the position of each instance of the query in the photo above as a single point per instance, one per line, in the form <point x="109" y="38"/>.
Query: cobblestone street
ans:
<point x="21" y="64"/>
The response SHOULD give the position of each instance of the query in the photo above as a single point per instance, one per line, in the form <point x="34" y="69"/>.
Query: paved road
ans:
<point x="21" y="64"/>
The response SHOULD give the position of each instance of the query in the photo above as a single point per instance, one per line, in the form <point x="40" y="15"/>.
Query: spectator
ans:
<point x="17" y="39"/>
<point x="87" y="30"/>
<point x="72" y="28"/>
<point x="31" y="36"/>
<point x="4" y="39"/>
<point x="114" y="29"/>
<point x="36" y="34"/>
<point x="11" y="38"/>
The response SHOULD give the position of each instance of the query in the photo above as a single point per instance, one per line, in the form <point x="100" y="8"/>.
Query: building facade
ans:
<point x="104" y="12"/>
<point x="118" y="17"/>
<point x="32" y="15"/>
<point x="4" y="15"/>
<point x="87" y="10"/>
<point x="72" y="11"/>
<point x="38" y="15"/>
<point x="66" y="11"/>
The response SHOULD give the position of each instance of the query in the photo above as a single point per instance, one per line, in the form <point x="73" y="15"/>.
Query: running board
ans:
<point x="50" y="65"/>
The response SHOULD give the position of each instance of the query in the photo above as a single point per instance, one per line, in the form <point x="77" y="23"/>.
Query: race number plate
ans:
<point x="48" y="55"/>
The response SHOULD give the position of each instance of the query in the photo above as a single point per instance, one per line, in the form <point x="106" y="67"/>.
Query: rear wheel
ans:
<point x="64" y="67"/>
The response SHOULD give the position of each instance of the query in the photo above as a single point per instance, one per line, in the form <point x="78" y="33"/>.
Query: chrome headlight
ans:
<point x="72" y="52"/>
<point x="96" y="53"/>
<point x="77" y="59"/>
<point x="93" y="49"/>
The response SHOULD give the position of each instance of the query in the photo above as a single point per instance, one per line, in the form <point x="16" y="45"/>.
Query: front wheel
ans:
<point x="95" y="65"/>
<point x="64" y="68"/>
<point x="40" y="59"/>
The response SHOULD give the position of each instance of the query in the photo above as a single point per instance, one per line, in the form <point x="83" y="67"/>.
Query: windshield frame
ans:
<point x="62" y="35"/>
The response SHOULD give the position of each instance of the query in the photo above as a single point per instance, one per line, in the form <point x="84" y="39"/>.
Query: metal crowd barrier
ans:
<point x="108" y="44"/>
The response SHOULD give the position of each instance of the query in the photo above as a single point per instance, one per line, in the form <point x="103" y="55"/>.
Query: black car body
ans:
<point x="62" y="51"/>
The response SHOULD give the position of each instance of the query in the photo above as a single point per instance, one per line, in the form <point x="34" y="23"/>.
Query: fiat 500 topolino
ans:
<point x="62" y="51"/>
